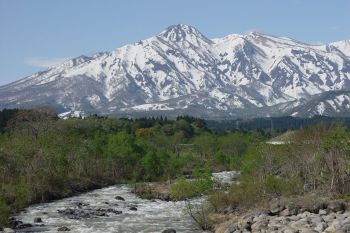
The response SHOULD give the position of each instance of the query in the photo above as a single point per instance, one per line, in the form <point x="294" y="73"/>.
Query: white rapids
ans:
<point x="150" y="216"/>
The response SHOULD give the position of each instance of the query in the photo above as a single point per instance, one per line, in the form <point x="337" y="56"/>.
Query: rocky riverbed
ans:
<point x="330" y="217"/>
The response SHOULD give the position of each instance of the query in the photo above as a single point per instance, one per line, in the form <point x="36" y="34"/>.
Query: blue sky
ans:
<point x="38" y="33"/>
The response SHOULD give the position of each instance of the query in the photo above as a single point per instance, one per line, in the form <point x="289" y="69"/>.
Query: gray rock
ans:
<point x="275" y="208"/>
<point x="285" y="213"/>
<point x="169" y="231"/>
<point x="321" y="226"/>
<point x="346" y="226"/>
<point x="335" y="206"/>
<point x="322" y="212"/>
<point x="290" y="230"/>
<point x="315" y="208"/>
<point x="232" y="229"/>
<point x="63" y="229"/>
<point x="119" y="198"/>
<point x="38" y="220"/>
<point x="293" y="209"/>
<point x="24" y="225"/>
<point x="248" y="226"/>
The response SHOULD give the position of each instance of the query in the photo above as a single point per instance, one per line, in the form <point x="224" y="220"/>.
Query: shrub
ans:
<point x="183" y="189"/>
<point x="218" y="200"/>
<point x="276" y="186"/>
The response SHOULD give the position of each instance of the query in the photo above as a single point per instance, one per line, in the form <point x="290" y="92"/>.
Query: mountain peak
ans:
<point x="182" y="32"/>
<point x="180" y="71"/>
<point x="256" y="34"/>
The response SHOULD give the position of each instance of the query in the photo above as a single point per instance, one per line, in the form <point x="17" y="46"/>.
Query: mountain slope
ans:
<point x="182" y="71"/>
<point x="332" y="103"/>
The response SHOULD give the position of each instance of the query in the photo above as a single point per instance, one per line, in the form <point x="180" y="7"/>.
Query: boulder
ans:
<point x="232" y="229"/>
<point x="248" y="226"/>
<point x="119" y="198"/>
<point x="259" y="225"/>
<point x="38" y="220"/>
<point x="275" y="208"/>
<point x="320" y="227"/>
<point x="133" y="208"/>
<point x="346" y="226"/>
<point x="290" y="230"/>
<point x="80" y="204"/>
<point x="14" y="223"/>
<point x="169" y="231"/>
<point x="336" y="206"/>
<point x="293" y="209"/>
<point x="285" y="213"/>
<point x="322" y="212"/>
<point x="315" y="208"/>
<point x="117" y="212"/>
<point x="100" y="214"/>
<point x="63" y="229"/>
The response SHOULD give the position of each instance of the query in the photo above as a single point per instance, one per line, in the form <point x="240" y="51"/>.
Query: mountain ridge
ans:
<point x="180" y="69"/>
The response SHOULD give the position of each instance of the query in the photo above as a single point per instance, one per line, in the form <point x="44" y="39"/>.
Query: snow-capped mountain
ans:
<point x="180" y="71"/>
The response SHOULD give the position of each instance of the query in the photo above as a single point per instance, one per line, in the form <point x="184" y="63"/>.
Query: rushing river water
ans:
<point x="137" y="215"/>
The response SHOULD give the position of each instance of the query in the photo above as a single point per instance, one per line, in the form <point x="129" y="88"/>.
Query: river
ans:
<point x="137" y="215"/>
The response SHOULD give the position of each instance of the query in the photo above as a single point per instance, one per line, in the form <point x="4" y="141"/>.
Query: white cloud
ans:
<point x="45" y="62"/>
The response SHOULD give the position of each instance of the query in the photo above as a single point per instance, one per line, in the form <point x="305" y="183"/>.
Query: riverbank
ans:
<point x="309" y="213"/>
<point x="331" y="217"/>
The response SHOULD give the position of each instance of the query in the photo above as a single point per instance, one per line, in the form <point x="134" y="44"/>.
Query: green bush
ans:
<point x="247" y="193"/>
<point x="183" y="189"/>
<point x="218" y="200"/>
<point x="276" y="186"/>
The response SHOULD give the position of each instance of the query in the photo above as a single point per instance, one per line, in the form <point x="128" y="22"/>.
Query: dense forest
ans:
<point x="274" y="124"/>
<point x="43" y="157"/>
